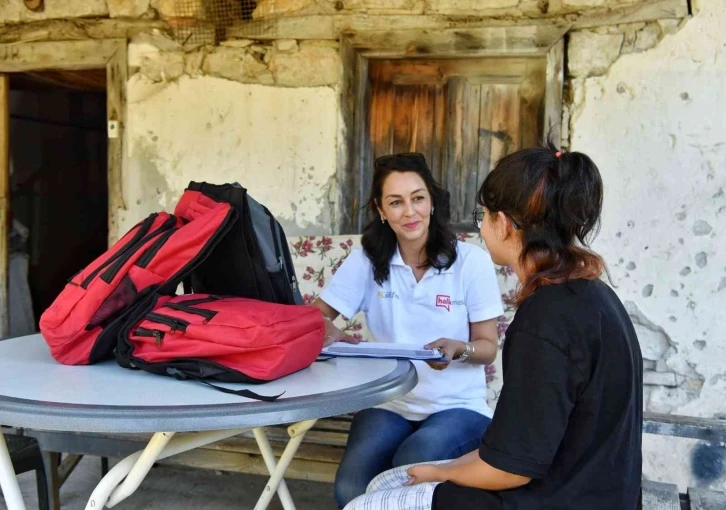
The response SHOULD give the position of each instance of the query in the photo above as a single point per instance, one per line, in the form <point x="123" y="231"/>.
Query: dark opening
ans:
<point x="58" y="183"/>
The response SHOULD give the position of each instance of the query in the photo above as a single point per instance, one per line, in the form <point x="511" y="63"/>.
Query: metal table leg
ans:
<point x="297" y="434"/>
<point x="135" y="467"/>
<point x="264" y="444"/>
<point x="8" y="481"/>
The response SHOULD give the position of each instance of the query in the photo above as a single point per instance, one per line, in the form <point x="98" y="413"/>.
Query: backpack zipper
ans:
<point x="156" y="333"/>
<point x="278" y="251"/>
<point x="140" y="233"/>
<point x="154" y="249"/>
<point x="207" y="314"/>
<point x="113" y="270"/>
<point x="173" y="323"/>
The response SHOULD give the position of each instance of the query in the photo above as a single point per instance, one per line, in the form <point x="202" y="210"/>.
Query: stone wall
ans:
<point x="654" y="121"/>
<point x="262" y="114"/>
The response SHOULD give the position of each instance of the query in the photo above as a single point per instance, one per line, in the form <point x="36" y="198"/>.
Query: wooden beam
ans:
<point x="653" y="10"/>
<point x="79" y="29"/>
<point x="533" y="40"/>
<point x="116" y="77"/>
<point x="346" y="173"/>
<point x="553" y="91"/>
<point x="68" y="55"/>
<point x="705" y="429"/>
<point x="333" y="26"/>
<point x="4" y="200"/>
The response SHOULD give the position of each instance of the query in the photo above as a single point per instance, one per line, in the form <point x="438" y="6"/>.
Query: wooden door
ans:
<point x="463" y="115"/>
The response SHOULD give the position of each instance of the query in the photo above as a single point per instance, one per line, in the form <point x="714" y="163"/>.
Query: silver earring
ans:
<point x="383" y="220"/>
<point x="432" y="211"/>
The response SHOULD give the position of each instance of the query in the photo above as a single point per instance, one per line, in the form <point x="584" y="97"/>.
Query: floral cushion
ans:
<point x="317" y="258"/>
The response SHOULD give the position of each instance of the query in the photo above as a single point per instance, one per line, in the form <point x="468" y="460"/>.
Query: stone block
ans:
<point x="648" y="37"/>
<point x="237" y="65"/>
<point x="311" y="66"/>
<point x="591" y="54"/>
<point x="385" y="6"/>
<point x="279" y="8"/>
<point x="162" y="66"/>
<point x="660" y="379"/>
<point x="14" y="11"/>
<point x="286" y="45"/>
<point x="467" y="6"/>
<point x="127" y="8"/>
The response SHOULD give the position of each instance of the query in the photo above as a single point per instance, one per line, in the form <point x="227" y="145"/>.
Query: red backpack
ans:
<point x="82" y="325"/>
<point x="230" y="339"/>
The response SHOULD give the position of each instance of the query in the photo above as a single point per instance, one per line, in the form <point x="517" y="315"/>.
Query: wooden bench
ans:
<point x="318" y="457"/>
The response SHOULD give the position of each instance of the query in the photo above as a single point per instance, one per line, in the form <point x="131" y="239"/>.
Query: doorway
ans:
<point x="462" y="114"/>
<point x="58" y="186"/>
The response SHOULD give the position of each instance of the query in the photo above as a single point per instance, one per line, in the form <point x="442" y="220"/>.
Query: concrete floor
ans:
<point x="173" y="488"/>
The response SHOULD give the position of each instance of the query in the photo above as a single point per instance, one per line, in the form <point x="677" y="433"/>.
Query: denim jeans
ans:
<point x="380" y="440"/>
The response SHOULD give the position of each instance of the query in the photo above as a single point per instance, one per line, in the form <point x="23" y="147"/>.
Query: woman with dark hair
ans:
<point x="416" y="284"/>
<point x="566" y="433"/>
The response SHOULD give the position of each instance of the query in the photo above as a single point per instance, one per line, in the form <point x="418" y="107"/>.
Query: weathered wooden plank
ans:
<point x="660" y="496"/>
<point x="404" y="99"/>
<point x="702" y="499"/>
<point x="553" y="90"/>
<point x="532" y="92"/>
<point x="705" y="429"/>
<point x="252" y="464"/>
<point x="68" y="55"/>
<point x="79" y="29"/>
<point x="635" y="13"/>
<point x="347" y="173"/>
<point x="491" y="41"/>
<point x="4" y="200"/>
<point x="506" y="119"/>
<point x="117" y="77"/>
<point x="331" y="26"/>
<point x="486" y="107"/>
<point x="485" y="70"/>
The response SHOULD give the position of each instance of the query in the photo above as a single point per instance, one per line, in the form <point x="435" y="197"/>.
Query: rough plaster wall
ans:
<point x="654" y="122"/>
<point x="280" y="143"/>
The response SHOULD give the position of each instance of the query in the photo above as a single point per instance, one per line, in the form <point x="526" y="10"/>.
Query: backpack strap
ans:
<point x="182" y="376"/>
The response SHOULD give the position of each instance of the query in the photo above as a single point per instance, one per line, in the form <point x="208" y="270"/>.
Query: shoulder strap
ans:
<point x="182" y="376"/>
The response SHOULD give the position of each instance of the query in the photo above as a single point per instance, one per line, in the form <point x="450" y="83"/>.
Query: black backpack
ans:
<point x="253" y="259"/>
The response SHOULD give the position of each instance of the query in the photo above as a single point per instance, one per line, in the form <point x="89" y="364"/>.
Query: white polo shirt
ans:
<point x="441" y="305"/>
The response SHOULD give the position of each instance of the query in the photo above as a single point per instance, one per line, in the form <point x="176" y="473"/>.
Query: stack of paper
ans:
<point x="382" y="350"/>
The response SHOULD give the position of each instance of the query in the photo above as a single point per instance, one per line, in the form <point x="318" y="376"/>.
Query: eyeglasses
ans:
<point x="402" y="161"/>
<point x="478" y="216"/>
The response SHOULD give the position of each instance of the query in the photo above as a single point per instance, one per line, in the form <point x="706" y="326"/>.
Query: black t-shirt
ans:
<point x="571" y="408"/>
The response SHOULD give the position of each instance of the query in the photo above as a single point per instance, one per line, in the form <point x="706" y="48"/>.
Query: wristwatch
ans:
<point x="464" y="356"/>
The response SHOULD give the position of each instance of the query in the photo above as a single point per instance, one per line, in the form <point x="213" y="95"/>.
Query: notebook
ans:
<point x="382" y="350"/>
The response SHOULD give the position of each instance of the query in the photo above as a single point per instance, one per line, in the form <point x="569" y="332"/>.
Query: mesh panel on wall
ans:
<point x="208" y="21"/>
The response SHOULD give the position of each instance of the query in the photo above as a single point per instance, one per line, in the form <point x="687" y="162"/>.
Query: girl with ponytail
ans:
<point x="566" y="432"/>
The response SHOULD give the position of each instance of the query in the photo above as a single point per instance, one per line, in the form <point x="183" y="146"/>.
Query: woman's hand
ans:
<point x="334" y="334"/>
<point x="450" y="348"/>
<point x="423" y="473"/>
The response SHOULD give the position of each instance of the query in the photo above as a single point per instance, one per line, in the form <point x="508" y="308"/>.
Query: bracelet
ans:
<point x="466" y="355"/>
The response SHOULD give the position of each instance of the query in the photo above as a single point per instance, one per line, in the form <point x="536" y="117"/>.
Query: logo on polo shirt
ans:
<point x="388" y="295"/>
<point x="444" y="301"/>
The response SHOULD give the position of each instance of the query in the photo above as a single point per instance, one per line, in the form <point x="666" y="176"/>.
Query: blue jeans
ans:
<point x="380" y="440"/>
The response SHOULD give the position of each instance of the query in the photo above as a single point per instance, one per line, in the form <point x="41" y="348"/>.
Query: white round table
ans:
<point x="38" y="393"/>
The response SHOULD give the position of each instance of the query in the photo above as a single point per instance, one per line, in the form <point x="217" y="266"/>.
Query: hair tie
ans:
<point x="558" y="154"/>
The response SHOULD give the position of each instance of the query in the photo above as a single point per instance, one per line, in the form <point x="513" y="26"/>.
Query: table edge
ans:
<point x="25" y="413"/>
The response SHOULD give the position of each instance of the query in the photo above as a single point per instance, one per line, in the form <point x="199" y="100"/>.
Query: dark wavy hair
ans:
<point x="555" y="198"/>
<point x="379" y="241"/>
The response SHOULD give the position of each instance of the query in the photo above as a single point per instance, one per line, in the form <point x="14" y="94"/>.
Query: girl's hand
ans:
<point x="450" y="348"/>
<point x="423" y="473"/>
<point x="333" y="334"/>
